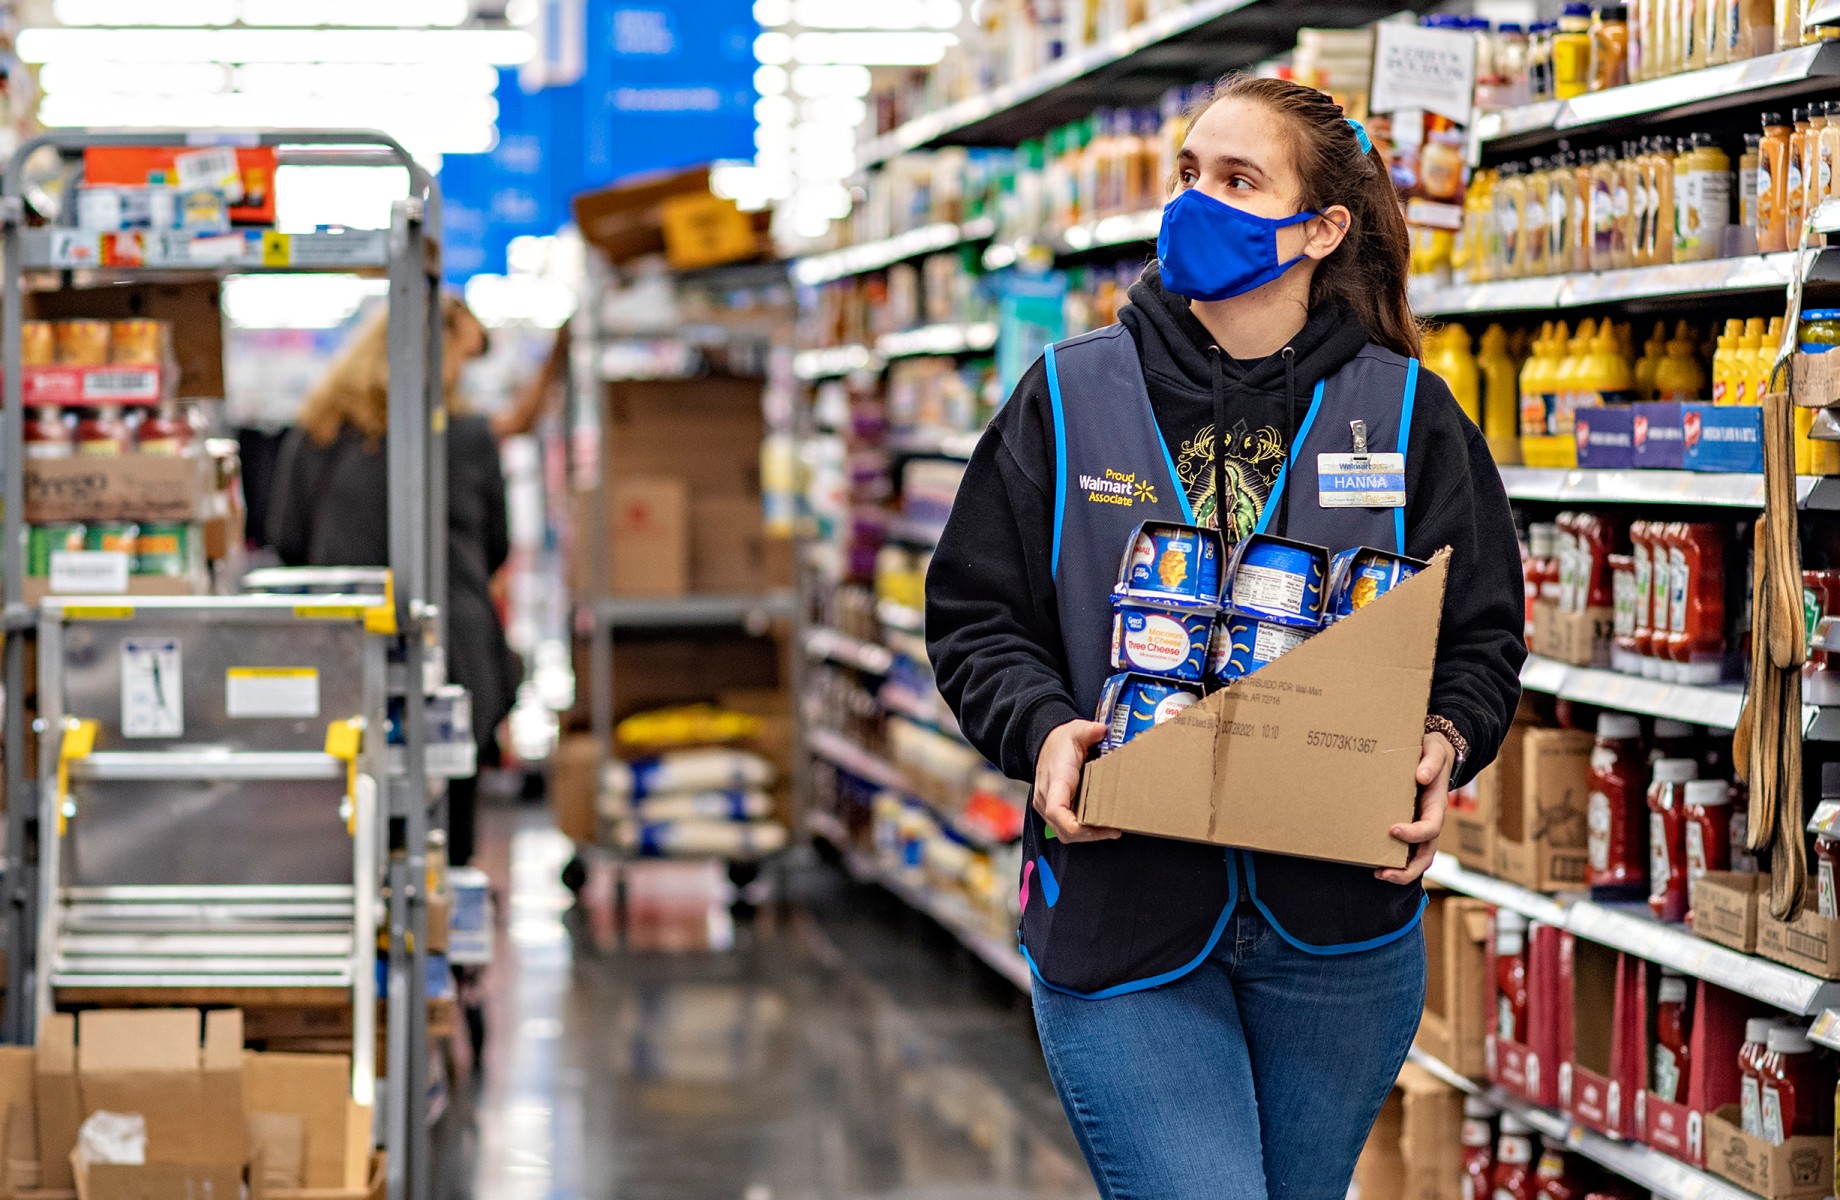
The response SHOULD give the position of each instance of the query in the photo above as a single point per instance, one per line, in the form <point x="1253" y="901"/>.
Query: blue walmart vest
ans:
<point x="1101" y="919"/>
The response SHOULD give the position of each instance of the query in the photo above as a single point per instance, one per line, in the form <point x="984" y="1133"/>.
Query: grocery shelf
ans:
<point x="901" y="617"/>
<point x="864" y="257"/>
<point x="1568" y="485"/>
<point x="952" y="337"/>
<point x="831" y="645"/>
<point x="678" y="611"/>
<point x="840" y="751"/>
<point x="1120" y="230"/>
<point x="834" y="360"/>
<point x="1826" y="1029"/>
<point x="1749" y="83"/>
<point x="953" y="913"/>
<point x="1682" y="280"/>
<point x="934" y="443"/>
<point x="1631" y="929"/>
<point x="1717" y="705"/>
<point x="1664" y="1176"/>
<point x="913" y="532"/>
<point x="240" y="250"/>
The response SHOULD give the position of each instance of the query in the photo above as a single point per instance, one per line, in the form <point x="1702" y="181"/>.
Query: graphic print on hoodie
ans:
<point x="1253" y="459"/>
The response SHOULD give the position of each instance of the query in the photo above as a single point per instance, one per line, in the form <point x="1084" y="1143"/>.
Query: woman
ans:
<point x="331" y="508"/>
<point x="1223" y="1023"/>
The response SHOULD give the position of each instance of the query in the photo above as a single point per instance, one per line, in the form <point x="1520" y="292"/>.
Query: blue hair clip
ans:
<point x="1360" y="135"/>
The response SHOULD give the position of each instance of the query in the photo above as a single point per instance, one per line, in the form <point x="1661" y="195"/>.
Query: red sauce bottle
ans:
<point x="1514" y="1161"/>
<point x="1667" y="837"/>
<point x="1617" y="804"/>
<point x="100" y="432"/>
<point x="1696" y="602"/>
<point x="1798" y="1092"/>
<point x="1510" y="975"/>
<point x="1623" y="655"/>
<point x="1565" y="548"/>
<point x="1750" y="1076"/>
<point x="1478" y="1149"/>
<point x="164" y="431"/>
<point x="1708" y="822"/>
<point x="1673" y="1036"/>
<point x="1539" y="572"/>
<point x="1554" y="1177"/>
<point x="1601" y="537"/>
<point x="1742" y="858"/>
<point x="1641" y="549"/>
<point x="46" y="434"/>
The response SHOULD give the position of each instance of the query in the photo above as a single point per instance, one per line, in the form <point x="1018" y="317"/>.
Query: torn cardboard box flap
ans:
<point x="1314" y="755"/>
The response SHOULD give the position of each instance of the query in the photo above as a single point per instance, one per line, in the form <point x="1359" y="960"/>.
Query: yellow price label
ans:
<point x="98" y="612"/>
<point x="330" y="612"/>
<point x="277" y="249"/>
<point x="271" y="672"/>
<point x="701" y="231"/>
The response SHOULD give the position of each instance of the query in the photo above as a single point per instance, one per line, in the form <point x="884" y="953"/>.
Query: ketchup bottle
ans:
<point x="1798" y="1092"/>
<point x="1514" y="1161"/>
<point x="1600" y="536"/>
<point x="1565" y="548"/>
<point x="1554" y="1176"/>
<point x="1478" y="1149"/>
<point x="1641" y="549"/>
<point x="1708" y="822"/>
<point x="1540" y="572"/>
<point x="1696" y="604"/>
<point x="1623" y="655"/>
<point x="1667" y="837"/>
<point x="1750" y="1077"/>
<point x="1673" y="1037"/>
<point x="1617" y="804"/>
<point x="1510" y="976"/>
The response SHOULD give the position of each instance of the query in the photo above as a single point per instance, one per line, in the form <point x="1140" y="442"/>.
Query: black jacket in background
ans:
<point x="992" y="629"/>
<point x="330" y="508"/>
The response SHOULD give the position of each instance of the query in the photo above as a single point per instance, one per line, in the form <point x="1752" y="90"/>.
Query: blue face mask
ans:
<point x="1213" y="251"/>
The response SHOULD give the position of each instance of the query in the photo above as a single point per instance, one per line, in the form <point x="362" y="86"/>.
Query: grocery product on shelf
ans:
<point x="1618" y="784"/>
<point x="1797" y="1090"/>
<point x="1667" y="837"/>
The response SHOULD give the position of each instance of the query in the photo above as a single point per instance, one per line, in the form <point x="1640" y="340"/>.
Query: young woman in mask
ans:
<point x="1224" y="1023"/>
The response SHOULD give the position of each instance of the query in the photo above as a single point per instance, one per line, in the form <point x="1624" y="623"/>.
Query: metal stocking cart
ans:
<point x="193" y="744"/>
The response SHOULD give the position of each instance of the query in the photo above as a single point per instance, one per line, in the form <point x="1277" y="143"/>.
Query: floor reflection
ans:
<point x="839" y="1050"/>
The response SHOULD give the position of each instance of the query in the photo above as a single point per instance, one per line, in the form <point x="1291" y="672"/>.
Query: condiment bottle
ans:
<point x="1696" y="603"/>
<point x="1602" y="209"/>
<point x="1510" y="976"/>
<point x="1553" y="1179"/>
<point x="1542" y="573"/>
<point x="1641" y="182"/>
<point x="1514" y="1152"/>
<point x="1571" y="52"/>
<point x="1623" y="629"/>
<point x="1747" y="184"/>
<point x="1641" y="547"/>
<point x="46" y="434"/>
<point x="1667" y="837"/>
<point x="1773" y="185"/>
<point x="1540" y="61"/>
<point x="1708" y="822"/>
<point x="1511" y="219"/>
<point x="1478" y="1139"/>
<point x="1500" y="393"/>
<point x="1679" y="376"/>
<point x="1724" y="389"/>
<point x="1830" y="151"/>
<point x="1609" y="47"/>
<point x="1811" y="157"/>
<point x="164" y="431"/>
<point x="1583" y="162"/>
<point x="1616" y="804"/>
<point x="1795" y="188"/>
<point x="1718" y="42"/>
<point x="1652" y="351"/>
<point x="1788" y="24"/>
<point x="1750" y="1081"/>
<point x="1797" y="1094"/>
<point x="1709" y="212"/>
<point x="1624" y="184"/>
<point x="1692" y="39"/>
<point x="1535" y="231"/>
<point x="1673" y="1059"/>
<point x="99" y="433"/>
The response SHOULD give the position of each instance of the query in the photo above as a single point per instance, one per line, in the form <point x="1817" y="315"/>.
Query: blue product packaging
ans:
<point x="1606" y="437"/>
<point x="1241" y="645"/>
<point x="1362" y="575"/>
<point x="1130" y="703"/>
<point x="1172" y="564"/>
<point x="1723" y="437"/>
<point x="1278" y="580"/>
<point x="1659" y="440"/>
<point x="1155" y="640"/>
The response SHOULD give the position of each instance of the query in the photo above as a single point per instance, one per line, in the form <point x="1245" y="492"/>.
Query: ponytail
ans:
<point x="1368" y="271"/>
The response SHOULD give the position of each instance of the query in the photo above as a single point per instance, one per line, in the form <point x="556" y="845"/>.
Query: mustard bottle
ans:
<point x="1572" y="52"/>
<point x="1461" y="373"/>
<point x="1744" y="362"/>
<point x="1500" y="391"/>
<point x="1763" y="382"/>
<point x="1537" y="384"/>
<point x="1644" y="372"/>
<point x="1567" y="388"/>
<point x="1604" y="375"/>
<point x="1723" y="391"/>
<point x="1680" y="377"/>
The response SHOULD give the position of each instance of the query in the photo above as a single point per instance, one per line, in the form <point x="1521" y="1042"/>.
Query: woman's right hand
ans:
<point x="1057" y="780"/>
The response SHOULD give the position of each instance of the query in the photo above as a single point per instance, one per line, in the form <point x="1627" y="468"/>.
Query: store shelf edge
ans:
<point x="1746" y="272"/>
<point x="673" y="611"/>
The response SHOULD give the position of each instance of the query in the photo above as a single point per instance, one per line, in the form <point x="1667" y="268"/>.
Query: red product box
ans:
<point x="91" y="387"/>
<point x="138" y="166"/>
<point x="1718" y="1017"/>
<point x="1601" y="1074"/>
<point x="1530" y="1069"/>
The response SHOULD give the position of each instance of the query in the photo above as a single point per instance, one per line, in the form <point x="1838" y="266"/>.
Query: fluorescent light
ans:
<point x="831" y="80"/>
<point x="883" y="14"/>
<point x="774" y="110"/>
<point x="847" y="111"/>
<point x="456" y="126"/>
<point x="499" y="47"/>
<point x="145" y="12"/>
<point x="291" y="13"/>
<point x="434" y="82"/>
<point x="770" y="81"/>
<point x="519" y="299"/>
<point x="768" y="13"/>
<point x="880" y="48"/>
<point x="773" y="49"/>
<point x="165" y="79"/>
<point x="355" y="197"/>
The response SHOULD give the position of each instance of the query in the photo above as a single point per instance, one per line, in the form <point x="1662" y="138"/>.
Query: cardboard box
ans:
<point x="1679" y="1128"/>
<point x="35" y="588"/>
<point x="1802" y="1168"/>
<point x="19" y="1111"/>
<point x="1545" y="788"/>
<point x="1414" y="1151"/>
<point x="1809" y="943"/>
<point x="571" y="787"/>
<point x="1580" y="638"/>
<point x="1528" y="1068"/>
<point x="655" y="668"/>
<point x="648" y="539"/>
<point x="1606" y="437"/>
<point x="1724" y="437"/>
<point x="1470" y="821"/>
<point x="60" y="1107"/>
<point x="1725" y="906"/>
<point x="154" y="1062"/>
<point x="1591" y="1083"/>
<point x="730" y="551"/>
<point x="1340" y="718"/>
<point x="1455" y="1024"/>
<point x="133" y="487"/>
<point x="375" y="1186"/>
<point x="194" y="308"/>
<point x="316" y="1089"/>
<point x="1658" y="433"/>
<point x="157" y="1180"/>
<point x="706" y="433"/>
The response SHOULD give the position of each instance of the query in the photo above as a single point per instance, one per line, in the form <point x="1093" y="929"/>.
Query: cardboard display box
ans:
<point x="571" y="787"/>
<point x="193" y="308"/>
<point x="1809" y="943"/>
<point x="132" y="487"/>
<point x="654" y="670"/>
<point x="1471" y="819"/>
<point x="1541" y="805"/>
<point x="1725" y="906"/>
<point x="1456" y="1020"/>
<point x="1592" y="1082"/>
<point x="1802" y="1168"/>
<point x="1580" y="638"/>
<point x="730" y="549"/>
<point x="1679" y="1129"/>
<point x="1339" y="721"/>
<point x="1529" y="1069"/>
<point x="1414" y="1151"/>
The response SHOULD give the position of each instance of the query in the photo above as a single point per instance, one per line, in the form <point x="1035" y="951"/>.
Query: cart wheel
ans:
<point x="575" y="875"/>
<point x="476" y="1032"/>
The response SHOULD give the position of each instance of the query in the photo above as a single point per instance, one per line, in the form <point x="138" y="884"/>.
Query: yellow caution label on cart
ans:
<point x="331" y="612"/>
<point x="277" y="249"/>
<point x="98" y="612"/>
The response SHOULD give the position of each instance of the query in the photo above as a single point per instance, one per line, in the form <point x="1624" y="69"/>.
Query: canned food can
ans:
<point x="118" y="536"/>
<point x="163" y="549"/>
<point x="1276" y="579"/>
<point x="1151" y="640"/>
<point x="1130" y="703"/>
<point x="1175" y="564"/>
<point x="42" y="541"/>
<point x="1362" y="575"/>
<point x="1242" y="644"/>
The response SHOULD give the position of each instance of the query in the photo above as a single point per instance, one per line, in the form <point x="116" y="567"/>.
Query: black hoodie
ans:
<point x="992" y="629"/>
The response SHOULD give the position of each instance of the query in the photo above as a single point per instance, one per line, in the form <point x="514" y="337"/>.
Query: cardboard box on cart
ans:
<point x="1456" y="1018"/>
<point x="1315" y="754"/>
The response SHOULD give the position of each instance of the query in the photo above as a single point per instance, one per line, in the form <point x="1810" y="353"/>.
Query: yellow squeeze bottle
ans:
<point x="1534" y="383"/>
<point x="1680" y="377"/>
<point x="1744" y="360"/>
<point x="1500" y="400"/>
<point x="1604" y="374"/>
<point x="1652" y="350"/>
<point x="1461" y="373"/>
<point x="1567" y="388"/>
<point x="1723" y="364"/>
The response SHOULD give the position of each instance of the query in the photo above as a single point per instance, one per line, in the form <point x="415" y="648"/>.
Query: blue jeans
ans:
<point x="1257" y="1075"/>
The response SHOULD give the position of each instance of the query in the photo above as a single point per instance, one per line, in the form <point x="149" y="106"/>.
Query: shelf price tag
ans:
<point x="277" y="248"/>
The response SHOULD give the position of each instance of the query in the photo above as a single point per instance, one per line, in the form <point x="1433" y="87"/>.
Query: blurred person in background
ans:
<point x="330" y="508"/>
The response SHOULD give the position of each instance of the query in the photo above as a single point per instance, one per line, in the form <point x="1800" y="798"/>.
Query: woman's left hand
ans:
<point x="1433" y="793"/>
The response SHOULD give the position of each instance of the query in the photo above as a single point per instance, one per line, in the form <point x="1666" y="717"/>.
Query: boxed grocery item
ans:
<point x="1414" y="1151"/>
<point x="648" y="535"/>
<point x="1802" y="1168"/>
<point x="1456" y="1019"/>
<point x="1471" y="818"/>
<point x="1725" y="906"/>
<point x="19" y="1171"/>
<point x="1809" y="943"/>
<point x="1722" y="437"/>
<point x="192" y="309"/>
<point x="1528" y="1068"/>
<point x="245" y="175"/>
<point x="129" y="487"/>
<point x="1593" y="1082"/>
<point x="1582" y="637"/>
<point x="1340" y="717"/>
<point x="1659" y="435"/>
<point x="1544" y="790"/>
<point x="1677" y="1127"/>
<point x="1606" y="437"/>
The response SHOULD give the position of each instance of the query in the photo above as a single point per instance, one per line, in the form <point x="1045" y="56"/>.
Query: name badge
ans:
<point x="1361" y="480"/>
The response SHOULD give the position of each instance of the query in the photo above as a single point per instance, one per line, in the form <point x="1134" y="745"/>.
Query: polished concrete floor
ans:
<point x="839" y="1048"/>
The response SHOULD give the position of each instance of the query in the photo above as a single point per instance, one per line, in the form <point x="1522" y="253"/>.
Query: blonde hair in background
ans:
<point x="356" y="390"/>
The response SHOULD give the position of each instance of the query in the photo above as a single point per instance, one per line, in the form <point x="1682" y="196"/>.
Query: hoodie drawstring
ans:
<point x="1290" y="434"/>
<point x="1220" y="443"/>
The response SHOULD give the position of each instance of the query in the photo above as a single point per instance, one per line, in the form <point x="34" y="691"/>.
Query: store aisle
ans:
<point x="835" y="1052"/>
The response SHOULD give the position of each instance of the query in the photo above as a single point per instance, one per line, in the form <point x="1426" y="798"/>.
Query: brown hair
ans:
<point x="355" y="391"/>
<point x="1367" y="272"/>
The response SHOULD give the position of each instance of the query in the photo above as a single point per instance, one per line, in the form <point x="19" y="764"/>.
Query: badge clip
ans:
<point x="1359" y="431"/>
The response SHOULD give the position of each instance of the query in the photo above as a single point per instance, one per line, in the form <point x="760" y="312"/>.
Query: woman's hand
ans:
<point x="1433" y="793"/>
<point x="1057" y="780"/>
